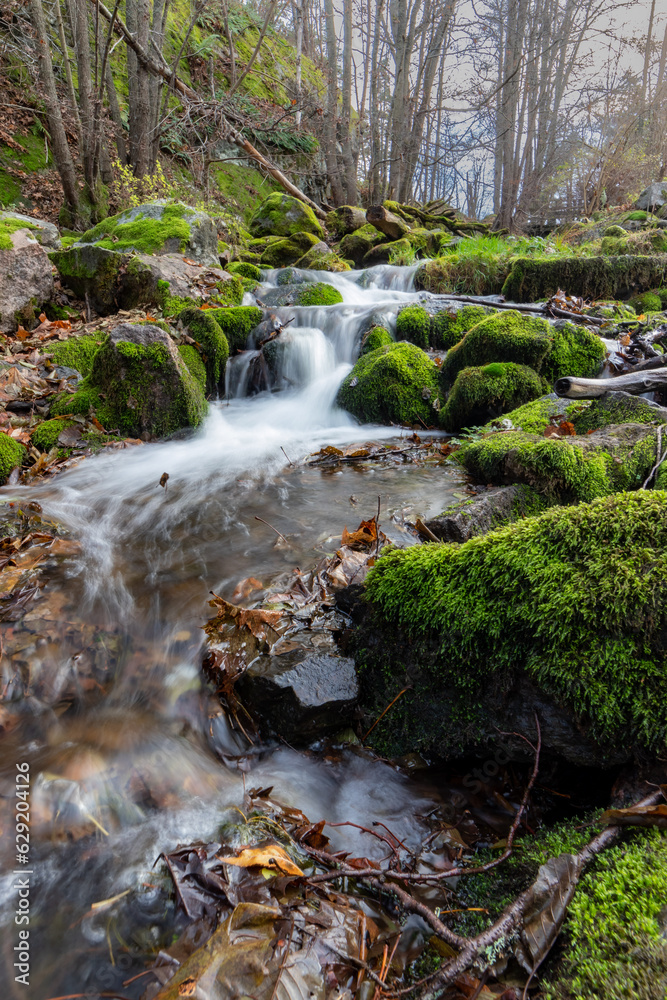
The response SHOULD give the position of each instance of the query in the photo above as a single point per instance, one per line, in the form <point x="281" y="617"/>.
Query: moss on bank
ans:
<point x="211" y="341"/>
<point x="592" y="277"/>
<point x="576" y="598"/>
<point x="397" y="383"/>
<point x="45" y="435"/>
<point x="376" y="337"/>
<point x="318" y="294"/>
<point x="142" y="235"/>
<point x="76" y="352"/>
<point x="11" y="456"/>
<point x="414" y="325"/>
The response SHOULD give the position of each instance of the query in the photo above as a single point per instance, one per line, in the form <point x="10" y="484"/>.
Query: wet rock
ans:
<point x="397" y="383"/>
<point x="301" y="695"/>
<point x="26" y="280"/>
<point x="388" y="223"/>
<point x="139" y="385"/>
<point x="345" y="220"/>
<point x="282" y="215"/>
<point x="477" y="516"/>
<point x="356" y="245"/>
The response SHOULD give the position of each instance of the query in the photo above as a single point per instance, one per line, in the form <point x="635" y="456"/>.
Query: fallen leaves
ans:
<point x="271" y="856"/>
<point x="638" y="815"/>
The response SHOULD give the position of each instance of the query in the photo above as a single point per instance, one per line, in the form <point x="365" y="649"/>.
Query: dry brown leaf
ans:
<point x="270" y="856"/>
<point x="255" y="620"/>
<point x="365" y="535"/>
<point x="637" y="816"/>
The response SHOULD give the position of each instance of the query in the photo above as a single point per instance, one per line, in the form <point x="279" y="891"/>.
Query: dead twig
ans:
<point x="278" y="533"/>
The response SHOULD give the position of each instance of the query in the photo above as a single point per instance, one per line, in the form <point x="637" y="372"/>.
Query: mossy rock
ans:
<point x="344" y="220"/>
<point x="615" y="231"/>
<point x="282" y="253"/>
<point x="591" y="277"/>
<point x="211" y="344"/>
<point x="396" y="384"/>
<point x="376" y="337"/>
<point x="317" y="294"/>
<point x="45" y="435"/>
<point x="613" y="938"/>
<point x="158" y="228"/>
<point x="356" y="245"/>
<point x="45" y="233"/>
<point x="413" y="323"/>
<point x="646" y="302"/>
<point x="138" y="385"/>
<point x="195" y="365"/>
<point x="317" y="259"/>
<point x="450" y="327"/>
<point x="613" y="408"/>
<point x="526" y="615"/>
<point x="398" y="252"/>
<point x="482" y="393"/>
<point x="237" y="324"/>
<point x="503" y="336"/>
<point x="245" y="270"/>
<point x="575" y="350"/>
<point x="76" y="352"/>
<point x="568" y="470"/>
<point x="12" y="454"/>
<point x="282" y="215"/>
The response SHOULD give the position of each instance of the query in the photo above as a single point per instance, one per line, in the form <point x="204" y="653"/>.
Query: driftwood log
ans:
<point x="387" y="222"/>
<point x="635" y="383"/>
<point x="518" y="307"/>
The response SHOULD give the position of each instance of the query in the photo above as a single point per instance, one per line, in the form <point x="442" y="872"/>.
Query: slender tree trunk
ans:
<point x="114" y="111"/>
<point x="138" y="23"/>
<point x="330" y="139"/>
<point x="298" y="23"/>
<point x="61" y="150"/>
<point x="68" y="68"/>
<point x="346" y="131"/>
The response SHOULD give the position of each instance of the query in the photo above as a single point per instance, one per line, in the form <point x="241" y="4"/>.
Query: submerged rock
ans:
<point x="301" y="695"/>
<point x="524" y="619"/>
<point x="139" y="385"/>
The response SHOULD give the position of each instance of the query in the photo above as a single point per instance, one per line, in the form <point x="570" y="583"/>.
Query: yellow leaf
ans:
<point x="270" y="856"/>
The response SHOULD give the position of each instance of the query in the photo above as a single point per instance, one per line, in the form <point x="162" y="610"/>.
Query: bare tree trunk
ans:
<point x="138" y="23"/>
<point x="330" y="138"/>
<point x="61" y="150"/>
<point x="298" y="23"/>
<point x="376" y="191"/>
<point x="346" y="137"/>
<point x="114" y="111"/>
<point x="68" y="68"/>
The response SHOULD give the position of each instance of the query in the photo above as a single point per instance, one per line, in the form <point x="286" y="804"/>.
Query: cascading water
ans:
<point x="148" y="558"/>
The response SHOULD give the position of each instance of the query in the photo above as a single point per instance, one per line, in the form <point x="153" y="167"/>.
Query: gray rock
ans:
<point x="284" y="295"/>
<point x="44" y="232"/>
<point x="480" y="514"/>
<point x="301" y="695"/>
<point x="26" y="282"/>
<point x="653" y="197"/>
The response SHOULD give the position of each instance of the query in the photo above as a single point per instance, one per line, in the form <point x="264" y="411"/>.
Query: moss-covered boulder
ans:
<point x="512" y="336"/>
<point x="282" y="253"/>
<point x="344" y="220"/>
<point x="592" y="277"/>
<point x="320" y="258"/>
<point x="395" y="384"/>
<point x="282" y="215"/>
<point x="399" y="252"/>
<point x="376" y="337"/>
<point x="12" y="454"/>
<point x="158" y="228"/>
<point x="237" y="324"/>
<point x="526" y="618"/>
<point x="356" y="245"/>
<point x="243" y="269"/>
<point x="44" y="233"/>
<point x="138" y="385"/>
<point x="317" y="293"/>
<point x="570" y="469"/>
<point x="479" y="394"/>
<point x="451" y="325"/>
<point x="413" y="324"/>
<point x="210" y="343"/>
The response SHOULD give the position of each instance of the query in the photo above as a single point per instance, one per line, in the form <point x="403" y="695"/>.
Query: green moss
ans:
<point x="637" y="216"/>
<point x="592" y="277"/>
<point x="45" y="435"/>
<point x="448" y="328"/>
<point x="241" y="187"/>
<point x="76" y="352"/>
<point x="317" y="294"/>
<point x="533" y="417"/>
<point x="559" y="467"/>
<point x="227" y="292"/>
<point x="503" y="336"/>
<point x="83" y="402"/>
<point x="237" y="324"/>
<point x="393" y="384"/>
<point x="11" y="455"/>
<point x="9" y="226"/>
<point x="615" y="231"/>
<point x="414" y="324"/>
<point x="576" y="598"/>
<point x="612" y="409"/>
<point x="647" y="302"/>
<point x="376" y="337"/>
<point x="194" y="364"/>
<point x="357" y="244"/>
<point x="282" y="215"/>
<point x="315" y="260"/>
<point x="480" y="393"/>
<point x="143" y="235"/>
<point x="614" y="932"/>
<point x="211" y="343"/>
<point x="245" y="270"/>
<point x="575" y="351"/>
<point x="280" y="253"/>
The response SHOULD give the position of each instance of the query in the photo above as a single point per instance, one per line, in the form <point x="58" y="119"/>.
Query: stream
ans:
<point x="118" y="779"/>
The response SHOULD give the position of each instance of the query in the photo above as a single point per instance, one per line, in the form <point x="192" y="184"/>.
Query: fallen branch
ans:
<point x="635" y="382"/>
<point x="479" y="300"/>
